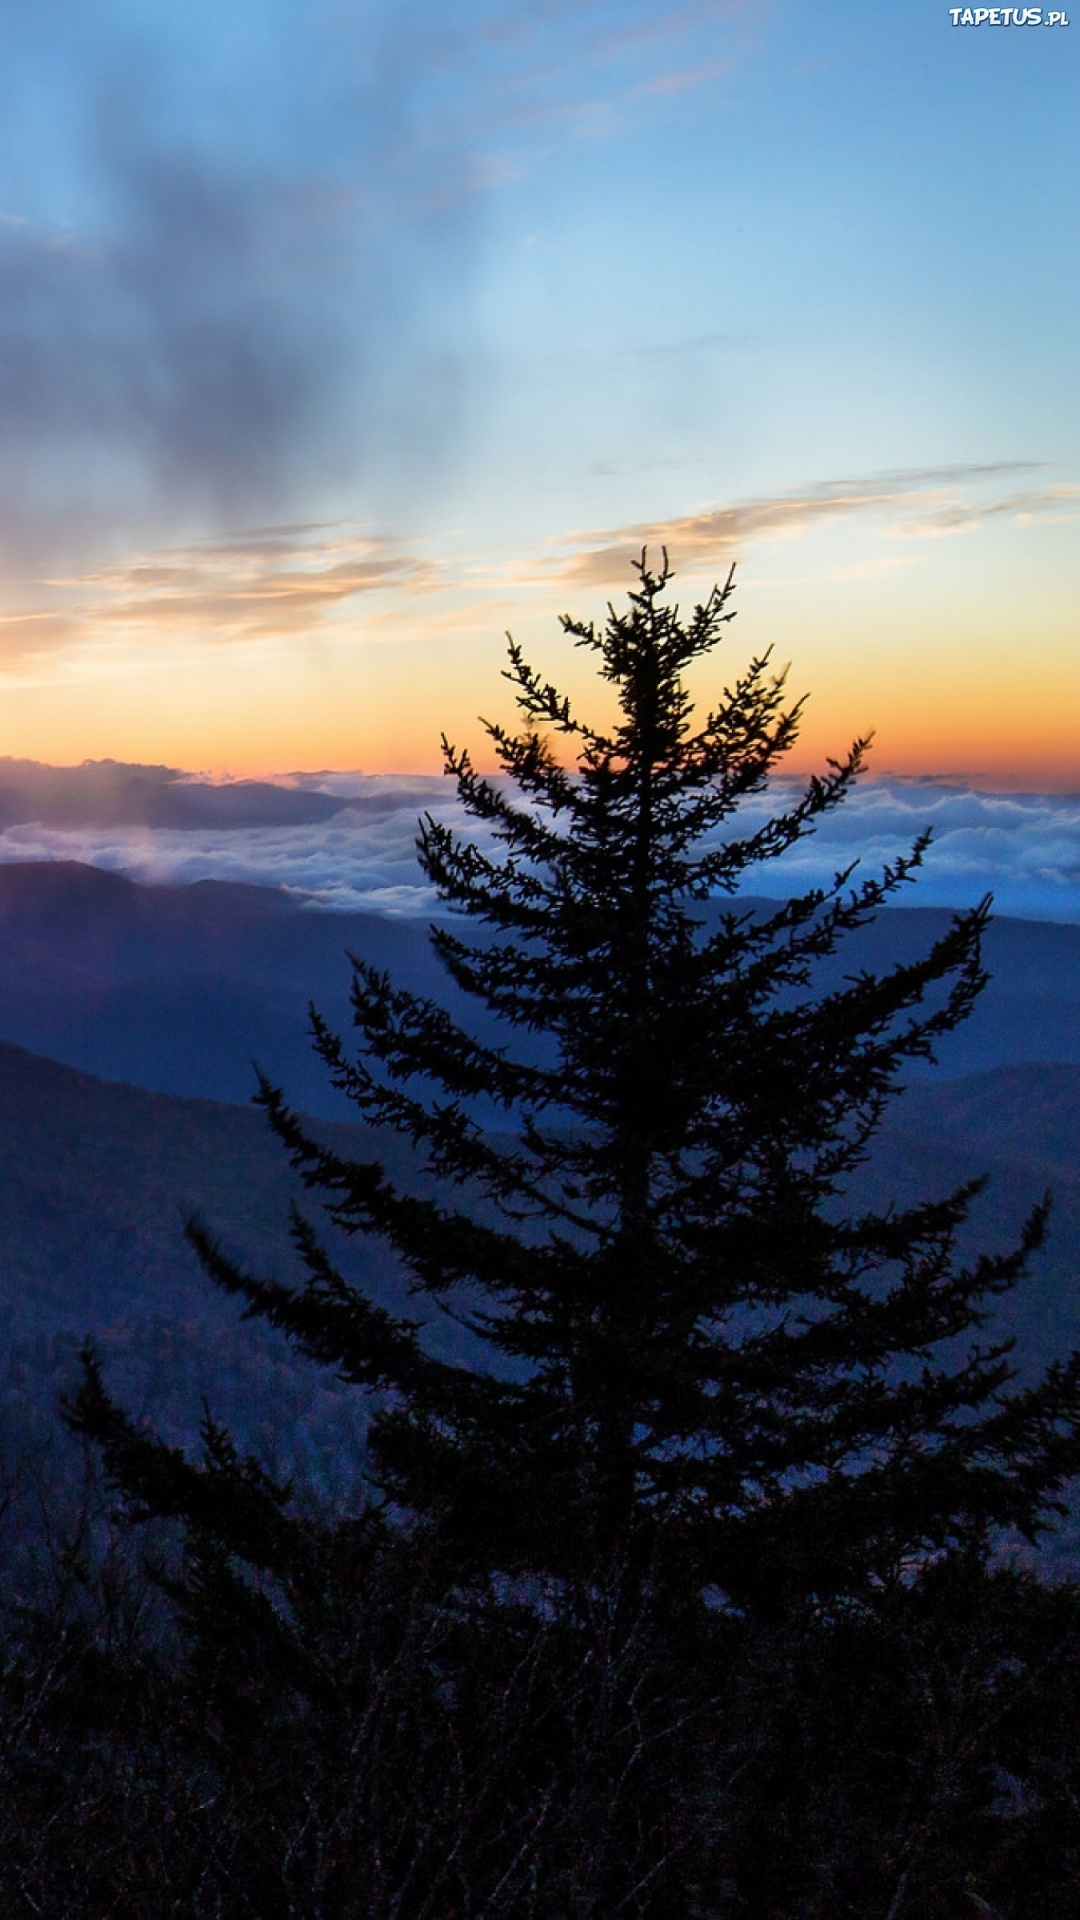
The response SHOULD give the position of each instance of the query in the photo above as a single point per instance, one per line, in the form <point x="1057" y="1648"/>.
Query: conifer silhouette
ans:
<point x="694" y="1356"/>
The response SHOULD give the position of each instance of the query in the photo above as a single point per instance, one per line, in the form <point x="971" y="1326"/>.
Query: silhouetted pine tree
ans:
<point x="694" y="1359"/>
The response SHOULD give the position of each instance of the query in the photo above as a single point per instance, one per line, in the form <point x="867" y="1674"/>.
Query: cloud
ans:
<point x="1024" y="848"/>
<point x="265" y="582"/>
<point x="362" y="857"/>
<point x="287" y="578"/>
<point x="38" y="630"/>
<point x="107" y="793"/>
<point x="236" y="244"/>
<point x="1039" y="503"/>
<point x="681" y="79"/>
<point x="718" y="532"/>
<point x="550" y="48"/>
<point x="221" y="290"/>
<point x="273" y="580"/>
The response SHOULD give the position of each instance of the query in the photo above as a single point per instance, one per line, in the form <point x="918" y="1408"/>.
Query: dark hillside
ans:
<point x="97" y="1179"/>
<point x="179" y="988"/>
<point x="96" y="1182"/>
<point x="1021" y="1127"/>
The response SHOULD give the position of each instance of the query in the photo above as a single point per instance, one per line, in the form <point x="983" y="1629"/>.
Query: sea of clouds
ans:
<point x="1024" y="848"/>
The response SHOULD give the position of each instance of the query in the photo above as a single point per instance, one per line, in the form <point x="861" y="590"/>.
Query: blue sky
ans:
<point x="334" y="339"/>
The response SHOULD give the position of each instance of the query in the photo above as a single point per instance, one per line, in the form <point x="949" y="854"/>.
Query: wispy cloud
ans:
<point x="289" y="579"/>
<point x="36" y="630"/>
<point x="1037" y="503"/>
<point x="920" y="501"/>
<point x="278" y="580"/>
<point x="269" y="581"/>
<point x="680" y="80"/>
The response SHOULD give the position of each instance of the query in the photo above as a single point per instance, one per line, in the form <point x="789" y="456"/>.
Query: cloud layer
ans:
<point x="1023" y="848"/>
<point x="918" y="503"/>
<point x="290" y="579"/>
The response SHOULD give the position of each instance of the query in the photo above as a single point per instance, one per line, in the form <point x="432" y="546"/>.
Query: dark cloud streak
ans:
<point x="236" y="266"/>
<point x="235" y="322"/>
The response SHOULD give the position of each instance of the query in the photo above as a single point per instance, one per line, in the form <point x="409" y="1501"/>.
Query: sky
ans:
<point x="337" y="339"/>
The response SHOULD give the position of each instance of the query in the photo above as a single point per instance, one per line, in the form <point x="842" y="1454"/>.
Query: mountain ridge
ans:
<point x="180" y="988"/>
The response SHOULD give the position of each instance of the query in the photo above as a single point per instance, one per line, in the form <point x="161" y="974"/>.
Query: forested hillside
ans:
<point x="180" y="988"/>
<point x="97" y="1181"/>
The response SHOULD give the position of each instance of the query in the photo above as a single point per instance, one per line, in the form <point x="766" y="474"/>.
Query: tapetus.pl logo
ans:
<point x="1006" y="17"/>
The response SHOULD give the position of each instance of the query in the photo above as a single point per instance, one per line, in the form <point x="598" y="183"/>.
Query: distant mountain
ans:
<point x="96" y="1183"/>
<point x="173" y="991"/>
<point x="97" y="1179"/>
<point x="180" y="988"/>
<point x="1020" y="1126"/>
<point x="1025" y="1118"/>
